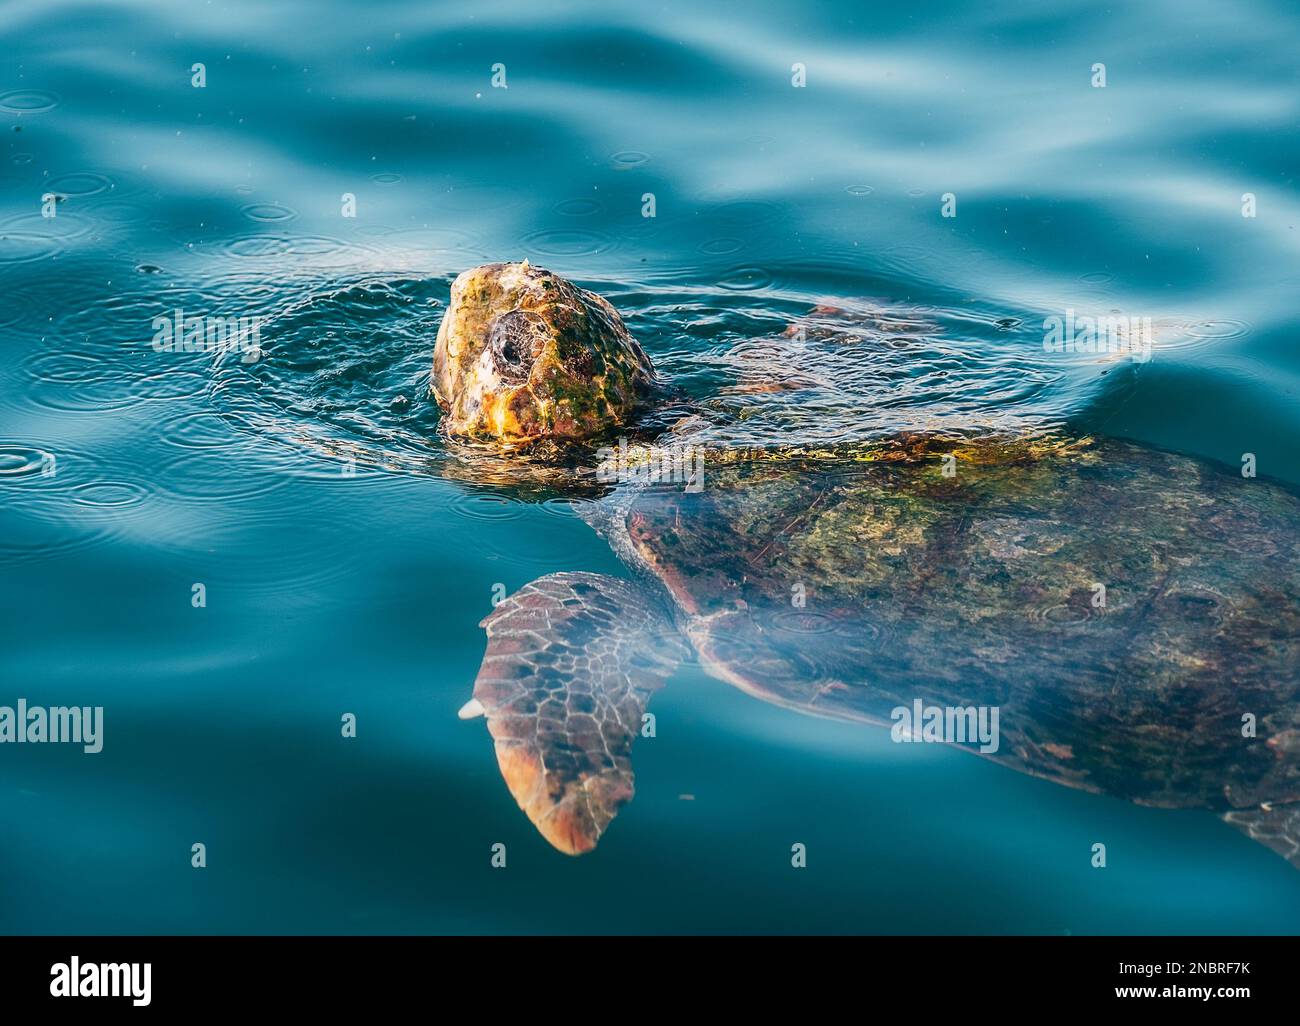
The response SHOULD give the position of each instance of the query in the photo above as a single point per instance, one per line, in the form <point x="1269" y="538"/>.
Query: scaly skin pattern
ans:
<point x="980" y="590"/>
<point x="523" y="354"/>
<point x="572" y="661"/>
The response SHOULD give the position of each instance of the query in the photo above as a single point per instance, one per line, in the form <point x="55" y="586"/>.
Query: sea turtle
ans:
<point x="1126" y="619"/>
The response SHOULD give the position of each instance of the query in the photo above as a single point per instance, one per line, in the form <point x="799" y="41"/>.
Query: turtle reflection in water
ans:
<point x="1132" y="616"/>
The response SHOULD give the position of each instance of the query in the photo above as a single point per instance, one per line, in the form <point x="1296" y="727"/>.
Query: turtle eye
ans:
<point x="514" y="343"/>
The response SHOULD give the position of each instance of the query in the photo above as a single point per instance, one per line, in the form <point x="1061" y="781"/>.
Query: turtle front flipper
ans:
<point x="1277" y="827"/>
<point x="571" y="662"/>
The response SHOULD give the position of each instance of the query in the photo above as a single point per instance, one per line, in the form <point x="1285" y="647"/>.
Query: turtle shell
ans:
<point x="1132" y="614"/>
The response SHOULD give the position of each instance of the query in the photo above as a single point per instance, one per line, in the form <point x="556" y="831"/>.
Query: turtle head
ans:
<point x="524" y="355"/>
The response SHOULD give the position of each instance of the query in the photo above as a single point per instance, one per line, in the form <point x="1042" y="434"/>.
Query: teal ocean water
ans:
<point x="327" y="171"/>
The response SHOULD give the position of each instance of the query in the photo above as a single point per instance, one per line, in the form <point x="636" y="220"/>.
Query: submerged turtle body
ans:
<point x="1127" y="612"/>
<point x="1124" y="609"/>
<point x="1131" y="617"/>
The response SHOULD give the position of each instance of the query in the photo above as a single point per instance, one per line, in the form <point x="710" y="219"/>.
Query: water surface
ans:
<point x="348" y="553"/>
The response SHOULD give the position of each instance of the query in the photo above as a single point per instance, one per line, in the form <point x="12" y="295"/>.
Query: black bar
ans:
<point x="612" y="976"/>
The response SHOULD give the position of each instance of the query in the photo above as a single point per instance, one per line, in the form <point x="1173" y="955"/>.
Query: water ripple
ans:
<point x="567" y="242"/>
<point x="486" y="506"/>
<point x="28" y="101"/>
<point x="18" y="461"/>
<point x="17" y="247"/>
<point x="79" y="183"/>
<point x="746" y="279"/>
<point x="269" y="212"/>
<point x="110" y="495"/>
<point x="627" y="160"/>
<point x="579" y="207"/>
<point x="721" y="246"/>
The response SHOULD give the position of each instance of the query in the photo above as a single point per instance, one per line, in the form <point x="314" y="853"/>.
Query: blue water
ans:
<point x="348" y="553"/>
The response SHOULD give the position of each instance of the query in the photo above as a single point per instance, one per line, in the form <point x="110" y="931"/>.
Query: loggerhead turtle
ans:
<point x="1131" y="616"/>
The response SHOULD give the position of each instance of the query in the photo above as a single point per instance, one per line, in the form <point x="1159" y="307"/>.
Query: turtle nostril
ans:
<point x="514" y="342"/>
